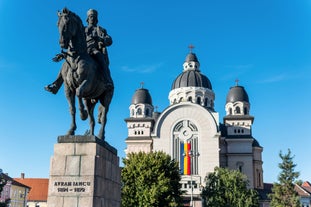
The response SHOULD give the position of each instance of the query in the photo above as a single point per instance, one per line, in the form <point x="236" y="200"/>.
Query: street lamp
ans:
<point x="192" y="155"/>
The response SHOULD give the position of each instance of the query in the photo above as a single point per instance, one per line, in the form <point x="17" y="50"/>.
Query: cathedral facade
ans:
<point x="190" y="131"/>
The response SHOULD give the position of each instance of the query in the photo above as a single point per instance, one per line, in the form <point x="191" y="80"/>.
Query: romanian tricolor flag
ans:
<point x="185" y="163"/>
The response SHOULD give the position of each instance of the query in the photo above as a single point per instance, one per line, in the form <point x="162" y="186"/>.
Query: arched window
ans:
<point x="259" y="178"/>
<point x="240" y="166"/>
<point x="185" y="147"/>
<point x="190" y="98"/>
<point x="133" y="113"/>
<point x="139" y="112"/>
<point x="245" y="111"/>
<point x="237" y="110"/>
<point x="205" y="101"/>
<point x="147" y="112"/>
<point x="198" y="100"/>
<point x="230" y="111"/>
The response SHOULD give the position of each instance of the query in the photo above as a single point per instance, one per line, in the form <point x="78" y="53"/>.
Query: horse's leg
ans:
<point x="70" y="95"/>
<point x="83" y="112"/>
<point x="103" y="111"/>
<point x="90" y="105"/>
<point x="72" y="108"/>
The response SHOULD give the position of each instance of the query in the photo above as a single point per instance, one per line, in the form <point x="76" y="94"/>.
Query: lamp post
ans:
<point x="192" y="155"/>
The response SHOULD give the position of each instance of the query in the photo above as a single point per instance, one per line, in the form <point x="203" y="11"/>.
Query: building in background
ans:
<point x="190" y="131"/>
<point x="14" y="193"/>
<point x="304" y="192"/>
<point x="37" y="196"/>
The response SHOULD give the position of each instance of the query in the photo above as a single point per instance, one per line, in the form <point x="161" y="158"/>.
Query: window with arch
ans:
<point x="147" y="112"/>
<point x="198" y="100"/>
<point x="230" y="111"/>
<point x="205" y="101"/>
<point x="190" y="98"/>
<point x="139" y="112"/>
<point x="237" y="110"/>
<point x="259" y="178"/>
<point x="240" y="166"/>
<point x="185" y="147"/>
<point x="245" y="111"/>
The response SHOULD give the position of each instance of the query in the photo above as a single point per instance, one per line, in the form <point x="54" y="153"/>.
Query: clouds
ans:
<point x="5" y="65"/>
<point x="290" y="74"/>
<point x="142" y="68"/>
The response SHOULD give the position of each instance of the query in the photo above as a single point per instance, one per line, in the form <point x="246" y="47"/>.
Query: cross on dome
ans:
<point x="142" y="84"/>
<point x="236" y="82"/>
<point x="191" y="47"/>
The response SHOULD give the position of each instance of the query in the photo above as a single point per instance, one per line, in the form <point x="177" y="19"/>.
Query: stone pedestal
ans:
<point x="84" y="172"/>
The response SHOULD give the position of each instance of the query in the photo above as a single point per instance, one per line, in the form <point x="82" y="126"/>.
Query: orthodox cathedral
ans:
<point x="190" y="131"/>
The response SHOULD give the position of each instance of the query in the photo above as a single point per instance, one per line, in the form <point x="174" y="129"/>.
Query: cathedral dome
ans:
<point x="142" y="96"/>
<point x="237" y="93"/>
<point x="191" y="76"/>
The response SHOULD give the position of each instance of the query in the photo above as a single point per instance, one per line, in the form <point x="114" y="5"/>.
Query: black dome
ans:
<point x="191" y="78"/>
<point x="142" y="96"/>
<point x="237" y="93"/>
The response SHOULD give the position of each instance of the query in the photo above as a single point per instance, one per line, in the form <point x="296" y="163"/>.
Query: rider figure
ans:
<point x="97" y="40"/>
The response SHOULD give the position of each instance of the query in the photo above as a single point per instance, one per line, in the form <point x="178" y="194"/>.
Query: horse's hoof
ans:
<point x="102" y="137"/>
<point x="70" y="132"/>
<point x="83" y="115"/>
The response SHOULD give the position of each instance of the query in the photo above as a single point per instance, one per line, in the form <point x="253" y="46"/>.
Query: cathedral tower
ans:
<point x="140" y="123"/>
<point x="240" y="150"/>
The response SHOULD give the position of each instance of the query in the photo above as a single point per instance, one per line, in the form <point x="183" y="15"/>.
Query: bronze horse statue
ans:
<point x="82" y="75"/>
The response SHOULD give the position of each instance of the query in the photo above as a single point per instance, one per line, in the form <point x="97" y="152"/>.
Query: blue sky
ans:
<point x="265" y="44"/>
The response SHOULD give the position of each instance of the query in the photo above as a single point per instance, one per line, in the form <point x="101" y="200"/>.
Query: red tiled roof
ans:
<point x="14" y="182"/>
<point x="306" y="186"/>
<point x="39" y="188"/>
<point x="301" y="191"/>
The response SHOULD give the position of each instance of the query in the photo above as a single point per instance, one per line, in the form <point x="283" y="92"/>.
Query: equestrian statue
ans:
<point x="85" y="71"/>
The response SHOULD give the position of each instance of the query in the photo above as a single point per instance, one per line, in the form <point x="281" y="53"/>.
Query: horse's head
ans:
<point x="67" y="27"/>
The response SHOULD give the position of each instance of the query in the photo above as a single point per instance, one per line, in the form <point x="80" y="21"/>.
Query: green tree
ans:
<point x="150" y="180"/>
<point x="226" y="187"/>
<point x="283" y="192"/>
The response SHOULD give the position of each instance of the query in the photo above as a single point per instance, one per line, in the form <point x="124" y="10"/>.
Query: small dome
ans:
<point x="191" y="57"/>
<point x="142" y="95"/>
<point x="237" y="93"/>
<point x="191" y="78"/>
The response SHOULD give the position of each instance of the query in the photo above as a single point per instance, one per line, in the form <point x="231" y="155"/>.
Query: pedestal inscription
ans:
<point x="84" y="172"/>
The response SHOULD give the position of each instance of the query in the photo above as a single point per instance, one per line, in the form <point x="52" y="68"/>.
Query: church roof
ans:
<point x="237" y="93"/>
<point x="143" y="96"/>
<point x="191" y="77"/>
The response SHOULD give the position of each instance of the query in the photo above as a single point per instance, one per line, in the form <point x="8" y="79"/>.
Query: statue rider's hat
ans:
<point x="91" y="12"/>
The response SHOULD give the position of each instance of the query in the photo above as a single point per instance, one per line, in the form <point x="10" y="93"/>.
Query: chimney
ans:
<point x="22" y="175"/>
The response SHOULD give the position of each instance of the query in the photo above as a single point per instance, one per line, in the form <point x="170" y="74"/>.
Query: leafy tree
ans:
<point x="226" y="187"/>
<point x="283" y="193"/>
<point x="150" y="179"/>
